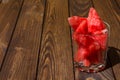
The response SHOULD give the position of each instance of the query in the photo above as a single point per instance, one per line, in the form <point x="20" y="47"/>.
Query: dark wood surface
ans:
<point x="9" y="14"/>
<point x="55" y="59"/>
<point x="36" y="41"/>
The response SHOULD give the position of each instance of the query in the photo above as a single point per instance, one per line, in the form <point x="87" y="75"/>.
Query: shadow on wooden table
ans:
<point x="113" y="55"/>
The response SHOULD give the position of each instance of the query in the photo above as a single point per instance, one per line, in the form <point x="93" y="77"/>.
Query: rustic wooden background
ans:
<point x="36" y="42"/>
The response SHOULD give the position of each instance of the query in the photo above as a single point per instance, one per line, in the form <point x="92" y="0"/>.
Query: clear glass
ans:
<point x="102" y="63"/>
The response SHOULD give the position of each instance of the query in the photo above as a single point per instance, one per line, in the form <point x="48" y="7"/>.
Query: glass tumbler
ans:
<point x="93" y="57"/>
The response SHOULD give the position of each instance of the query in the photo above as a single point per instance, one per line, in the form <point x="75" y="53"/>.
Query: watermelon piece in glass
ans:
<point x="91" y="35"/>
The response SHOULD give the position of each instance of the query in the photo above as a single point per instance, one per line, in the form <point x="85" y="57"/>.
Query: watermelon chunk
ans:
<point x="94" y="21"/>
<point x="82" y="28"/>
<point x="84" y="53"/>
<point x="81" y="39"/>
<point x="95" y="25"/>
<point x="94" y="46"/>
<point x="94" y="57"/>
<point x="102" y="39"/>
<point x="74" y="21"/>
<point x="81" y="54"/>
<point x="93" y="13"/>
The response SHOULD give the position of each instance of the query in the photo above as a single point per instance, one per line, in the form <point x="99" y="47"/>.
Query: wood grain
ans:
<point x="113" y="18"/>
<point x="115" y="7"/>
<point x="21" y="60"/>
<point x="5" y="1"/>
<point x="8" y="17"/>
<point x="81" y="8"/>
<point x="35" y="39"/>
<point x="55" y="60"/>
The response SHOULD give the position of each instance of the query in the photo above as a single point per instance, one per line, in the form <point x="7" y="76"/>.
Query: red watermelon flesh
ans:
<point x="81" y="39"/>
<point x="82" y="28"/>
<point x="94" y="49"/>
<point x="93" y="13"/>
<point x="84" y="53"/>
<point x="74" y="21"/>
<point x="86" y="62"/>
<point x="94" y="21"/>
<point x="77" y="56"/>
<point x="94" y="57"/>
<point x="94" y="46"/>
<point x="81" y="54"/>
<point x="94" y="52"/>
<point x="95" y="25"/>
<point x="102" y="40"/>
<point x="100" y="32"/>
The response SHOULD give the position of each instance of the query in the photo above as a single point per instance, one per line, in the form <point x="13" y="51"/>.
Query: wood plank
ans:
<point x="112" y="16"/>
<point x="8" y="17"/>
<point x="81" y="8"/>
<point x="115" y="6"/>
<point x="5" y="1"/>
<point x="21" y="60"/>
<point x="118" y="3"/>
<point x="55" y="60"/>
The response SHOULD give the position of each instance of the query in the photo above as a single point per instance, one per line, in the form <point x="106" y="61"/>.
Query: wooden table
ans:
<point x="36" y="44"/>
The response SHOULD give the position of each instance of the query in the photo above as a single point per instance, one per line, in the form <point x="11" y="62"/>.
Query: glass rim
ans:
<point x="108" y="27"/>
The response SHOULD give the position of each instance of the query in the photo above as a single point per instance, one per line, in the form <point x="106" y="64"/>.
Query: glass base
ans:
<point x="93" y="68"/>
